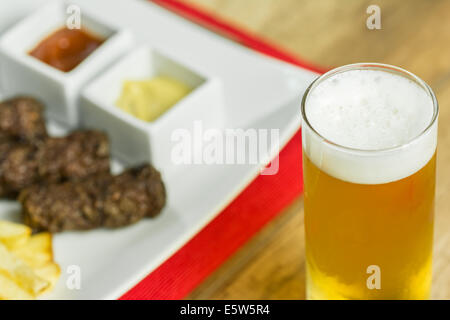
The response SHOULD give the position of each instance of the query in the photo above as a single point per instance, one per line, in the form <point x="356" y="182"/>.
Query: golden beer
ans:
<point x="369" y="200"/>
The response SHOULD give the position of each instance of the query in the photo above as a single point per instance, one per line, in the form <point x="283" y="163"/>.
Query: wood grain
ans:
<point x="415" y="35"/>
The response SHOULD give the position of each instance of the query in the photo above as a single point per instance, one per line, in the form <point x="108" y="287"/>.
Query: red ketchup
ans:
<point x="66" y="48"/>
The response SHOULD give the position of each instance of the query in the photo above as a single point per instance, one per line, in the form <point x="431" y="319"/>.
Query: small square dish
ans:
<point x="23" y="73"/>
<point x="134" y="140"/>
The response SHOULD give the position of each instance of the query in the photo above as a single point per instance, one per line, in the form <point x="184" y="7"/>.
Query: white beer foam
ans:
<point x="369" y="110"/>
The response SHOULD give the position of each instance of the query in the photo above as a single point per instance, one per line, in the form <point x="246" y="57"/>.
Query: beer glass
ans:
<point x="369" y="136"/>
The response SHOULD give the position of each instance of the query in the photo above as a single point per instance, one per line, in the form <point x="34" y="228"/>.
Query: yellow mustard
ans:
<point x="150" y="98"/>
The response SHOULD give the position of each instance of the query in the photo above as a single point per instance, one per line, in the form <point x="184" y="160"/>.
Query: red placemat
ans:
<point x="259" y="203"/>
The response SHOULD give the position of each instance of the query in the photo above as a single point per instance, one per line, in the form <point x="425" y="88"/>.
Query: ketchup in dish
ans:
<point x="66" y="48"/>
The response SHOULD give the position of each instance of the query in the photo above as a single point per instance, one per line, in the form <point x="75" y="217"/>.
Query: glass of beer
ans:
<point x="369" y="137"/>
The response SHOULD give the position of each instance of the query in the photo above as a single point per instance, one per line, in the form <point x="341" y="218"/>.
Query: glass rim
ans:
<point x="371" y="66"/>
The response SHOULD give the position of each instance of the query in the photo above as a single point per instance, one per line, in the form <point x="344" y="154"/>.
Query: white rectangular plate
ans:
<point x="260" y="92"/>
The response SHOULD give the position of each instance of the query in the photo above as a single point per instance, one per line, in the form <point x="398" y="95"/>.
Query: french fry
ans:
<point x="27" y="268"/>
<point x="10" y="290"/>
<point x="13" y="234"/>
<point x="50" y="272"/>
<point x="37" y="251"/>
<point x="19" y="272"/>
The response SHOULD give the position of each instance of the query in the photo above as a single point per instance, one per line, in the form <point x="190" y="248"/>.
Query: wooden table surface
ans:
<point x="415" y="35"/>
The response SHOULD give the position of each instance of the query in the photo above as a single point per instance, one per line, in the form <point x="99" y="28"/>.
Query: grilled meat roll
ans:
<point x="58" y="159"/>
<point x="102" y="200"/>
<point x="21" y="119"/>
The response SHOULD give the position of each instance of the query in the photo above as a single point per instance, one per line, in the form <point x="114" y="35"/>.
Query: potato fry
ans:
<point x="18" y="271"/>
<point x="13" y="234"/>
<point x="9" y="290"/>
<point x="50" y="272"/>
<point x="37" y="251"/>
<point x="27" y="268"/>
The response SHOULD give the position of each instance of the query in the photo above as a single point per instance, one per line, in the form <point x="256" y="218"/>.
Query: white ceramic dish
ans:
<point x="59" y="90"/>
<point x="259" y="92"/>
<point x="133" y="140"/>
